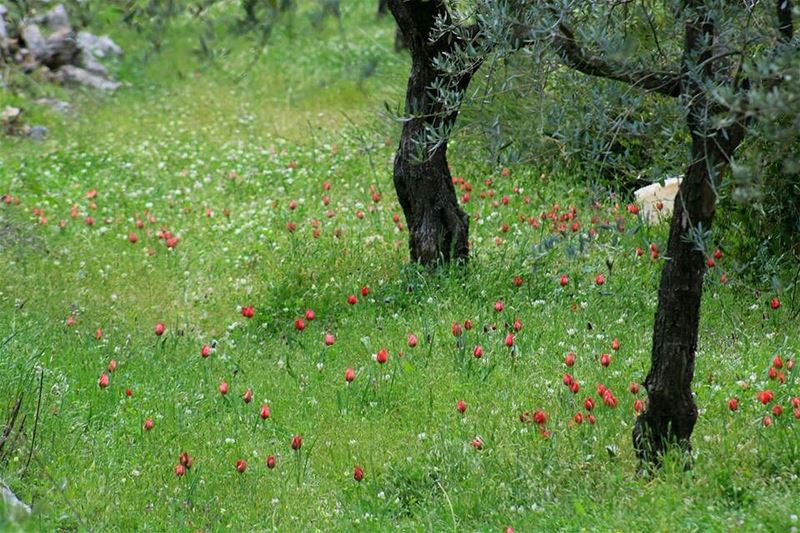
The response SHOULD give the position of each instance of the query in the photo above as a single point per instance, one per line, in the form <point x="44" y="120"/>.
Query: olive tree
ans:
<point x="715" y="59"/>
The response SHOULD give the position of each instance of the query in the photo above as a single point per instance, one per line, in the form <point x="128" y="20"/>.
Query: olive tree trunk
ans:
<point x="671" y="412"/>
<point x="438" y="228"/>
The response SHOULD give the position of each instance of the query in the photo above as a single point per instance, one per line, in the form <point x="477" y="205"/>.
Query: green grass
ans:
<point x="167" y="146"/>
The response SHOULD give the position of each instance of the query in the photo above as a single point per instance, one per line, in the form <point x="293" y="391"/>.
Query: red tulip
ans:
<point x="98" y="334"/>
<point x="477" y="352"/>
<point x="310" y="315"/>
<point x="264" y="413"/>
<point x="364" y="291"/>
<point x="128" y="393"/>
<point x="518" y="281"/>
<point x="517" y="325"/>
<point x="796" y="402"/>
<point x="185" y="460"/>
<point x="600" y="279"/>
<point x="574" y="387"/>
<point x="591" y="419"/>
<point x="132" y="238"/>
<point x="352" y="300"/>
<point x="248" y="311"/>
<point x="112" y="366"/>
<point x="539" y="417"/>
<point x="509" y="342"/>
<point x="223" y="388"/>
<point x="103" y="381"/>
<point x="499" y="306"/>
<point x="358" y="473"/>
<point x="297" y="442"/>
<point x="412" y="340"/>
<point x="638" y="406"/>
<point x="777" y="362"/>
<point x="329" y="339"/>
<point x="457" y="331"/>
<point x="160" y="328"/>
<point x="382" y="356"/>
<point x="765" y="396"/>
<point x="578" y="418"/>
<point x="241" y="466"/>
<point x="615" y="344"/>
<point x="588" y="404"/>
<point x="468" y="324"/>
<point x="299" y="325"/>
<point x="774" y="303"/>
<point x="634" y="388"/>
<point x="461" y="406"/>
<point x="180" y="470"/>
<point x="205" y="351"/>
<point x="605" y="359"/>
<point x="733" y="404"/>
<point x="564" y="280"/>
<point x="569" y="359"/>
<point x="777" y="410"/>
<point x="247" y="396"/>
<point x="148" y="424"/>
<point x="349" y="375"/>
<point x="270" y="462"/>
<point x="609" y="399"/>
<point x="767" y="421"/>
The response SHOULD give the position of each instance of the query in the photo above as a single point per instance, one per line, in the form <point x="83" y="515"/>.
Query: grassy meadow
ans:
<point x="258" y="182"/>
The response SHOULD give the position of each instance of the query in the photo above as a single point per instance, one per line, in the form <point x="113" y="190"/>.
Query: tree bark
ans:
<point x="671" y="412"/>
<point x="438" y="228"/>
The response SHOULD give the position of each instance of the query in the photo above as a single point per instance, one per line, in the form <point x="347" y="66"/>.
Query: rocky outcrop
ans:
<point x="49" y="42"/>
<point x="15" y="508"/>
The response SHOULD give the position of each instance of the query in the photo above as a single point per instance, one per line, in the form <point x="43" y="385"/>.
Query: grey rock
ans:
<point x="34" y="40"/>
<point x="57" y="19"/>
<point x="10" y="114"/>
<point x="37" y="133"/>
<point x="56" y="105"/>
<point x="73" y="74"/>
<point x="61" y="48"/>
<point x="15" y="507"/>
<point x="3" y="28"/>
<point x="90" y="63"/>
<point x="101" y="46"/>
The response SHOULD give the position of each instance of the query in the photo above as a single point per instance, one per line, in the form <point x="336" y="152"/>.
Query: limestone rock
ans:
<point x="56" y="19"/>
<point x="15" y="507"/>
<point x="73" y="74"/>
<point x="649" y="197"/>
<point x="34" y="40"/>
<point x="98" y="46"/>
<point x="37" y="133"/>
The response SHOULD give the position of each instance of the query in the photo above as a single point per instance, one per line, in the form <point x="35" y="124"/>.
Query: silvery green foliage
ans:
<point x="526" y="105"/>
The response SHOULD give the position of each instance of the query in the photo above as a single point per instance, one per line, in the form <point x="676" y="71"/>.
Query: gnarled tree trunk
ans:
<point x="438" y="228"/>
<point x="671" y="413"/>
